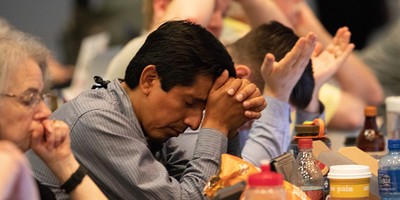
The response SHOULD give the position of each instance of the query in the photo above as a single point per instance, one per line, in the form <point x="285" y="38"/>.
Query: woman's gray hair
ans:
<point x="17" y="47"/>
<point x="4" y="26"/>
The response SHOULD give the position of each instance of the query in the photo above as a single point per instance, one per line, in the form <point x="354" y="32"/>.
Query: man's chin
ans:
<point x="160" y="140"/>
<point x="164" y="136"/>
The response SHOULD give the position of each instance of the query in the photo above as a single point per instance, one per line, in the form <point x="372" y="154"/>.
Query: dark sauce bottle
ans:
<point x="369" y="138"/>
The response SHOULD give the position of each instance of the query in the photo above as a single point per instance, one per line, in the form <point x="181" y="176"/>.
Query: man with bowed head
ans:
<point x="278" y="62"/>
<point x="117" y="131"/>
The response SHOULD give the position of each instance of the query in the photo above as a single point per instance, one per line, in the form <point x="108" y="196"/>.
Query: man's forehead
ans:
<point x="198" y="90"/>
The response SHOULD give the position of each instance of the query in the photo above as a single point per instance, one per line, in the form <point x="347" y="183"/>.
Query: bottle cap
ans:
<point x="370" y="111"/>
<point x="392" y="104"/>
<point x="349" y="172"/>
<point x="266" y="177"/>
<point x="394" y="144"/>
<point x="305" y="143"/>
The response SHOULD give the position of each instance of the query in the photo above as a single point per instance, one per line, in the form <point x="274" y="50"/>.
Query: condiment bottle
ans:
<point x="369" y="139"/>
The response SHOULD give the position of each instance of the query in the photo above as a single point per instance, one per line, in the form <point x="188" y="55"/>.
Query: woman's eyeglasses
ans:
<point x="29" y="99"/>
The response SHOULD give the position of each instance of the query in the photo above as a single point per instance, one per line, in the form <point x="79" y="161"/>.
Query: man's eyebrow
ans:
<point x="201" y="100"/>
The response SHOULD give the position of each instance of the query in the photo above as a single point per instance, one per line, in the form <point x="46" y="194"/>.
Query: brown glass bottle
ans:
<point x="369" y="139"/>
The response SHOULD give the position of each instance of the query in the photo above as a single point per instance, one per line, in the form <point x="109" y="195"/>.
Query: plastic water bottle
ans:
<point x="389" y="172"/>
<point x="265" y="185"/>
<point x="306" y="174"/>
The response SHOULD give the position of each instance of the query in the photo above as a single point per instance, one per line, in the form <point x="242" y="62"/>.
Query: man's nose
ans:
<point x="193" y="119"/>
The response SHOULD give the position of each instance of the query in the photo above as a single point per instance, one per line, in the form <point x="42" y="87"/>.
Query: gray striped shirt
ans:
<point x="107" y="139"/>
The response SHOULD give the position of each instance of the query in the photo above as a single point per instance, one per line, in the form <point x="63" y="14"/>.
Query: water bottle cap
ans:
<point x="266" y="177"/>
<point x="394" y="144"/>
<point x="305" y="143"/>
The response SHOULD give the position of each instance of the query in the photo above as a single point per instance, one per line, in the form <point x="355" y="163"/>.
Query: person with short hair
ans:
<point x="118" y="130"/>
<point x="25" y="119"/>
<point x="287" y="87"/>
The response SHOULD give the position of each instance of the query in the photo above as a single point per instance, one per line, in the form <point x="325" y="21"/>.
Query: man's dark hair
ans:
<point x="181" y="51"/>
<point x="277" y="39"/>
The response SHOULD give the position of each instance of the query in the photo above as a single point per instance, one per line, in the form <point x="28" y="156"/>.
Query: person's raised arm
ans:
<point x="366" y="86"/>
<point x="198" y="11"/>
<point x="263" y="11"/>
<point x="270" y="136"/>
<point x="280" y="77"/>
<point x="327" y="61"/>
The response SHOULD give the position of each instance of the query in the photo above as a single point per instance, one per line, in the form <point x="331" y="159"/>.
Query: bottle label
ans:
<point x="389" y="181"/>
<point x="313" y="192"/>
<point x="349" y="188"/>
<point x="369" y="134"/>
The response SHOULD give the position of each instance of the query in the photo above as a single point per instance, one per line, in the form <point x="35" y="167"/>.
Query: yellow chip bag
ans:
<point x="234" y="170"/>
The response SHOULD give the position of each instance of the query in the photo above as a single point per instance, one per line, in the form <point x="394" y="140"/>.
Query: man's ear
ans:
<point x="159" y="8"/>
<point x="242" y="71"/>
<point x="146" y="82"/>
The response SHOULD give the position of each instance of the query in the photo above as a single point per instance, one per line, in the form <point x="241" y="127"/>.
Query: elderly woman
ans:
<point x="24" y="116"/>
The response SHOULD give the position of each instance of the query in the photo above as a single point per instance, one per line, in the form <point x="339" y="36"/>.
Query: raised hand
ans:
<point x="326" y="62"/>
<point x="280" y="77"/>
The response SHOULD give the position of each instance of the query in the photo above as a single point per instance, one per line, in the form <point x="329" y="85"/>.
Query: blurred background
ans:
<point x="62" y="25"/>
<point x="43" y="18"/>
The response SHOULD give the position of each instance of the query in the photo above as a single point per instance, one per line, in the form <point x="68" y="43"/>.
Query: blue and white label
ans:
<point x="389" y="181"/>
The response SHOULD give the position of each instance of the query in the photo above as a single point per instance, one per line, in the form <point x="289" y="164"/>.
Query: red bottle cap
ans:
<point x="265" y="178"/>
<point x="305" y="143"/>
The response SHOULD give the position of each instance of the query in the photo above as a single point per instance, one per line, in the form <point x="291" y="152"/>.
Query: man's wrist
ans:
<point x="210" y="124"/>
<point x="280" y="97"/>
